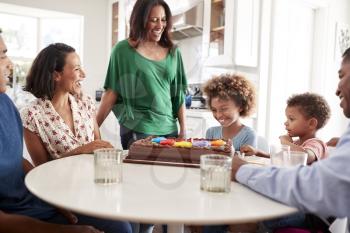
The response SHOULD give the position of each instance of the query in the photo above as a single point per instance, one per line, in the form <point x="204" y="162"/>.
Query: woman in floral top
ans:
<point x="61" y="122"/>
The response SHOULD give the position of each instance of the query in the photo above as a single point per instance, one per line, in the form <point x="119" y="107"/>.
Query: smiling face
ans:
<point x="5" y="66"/>
<point x="70" y="79"/>
<point x="343" y="90"/>
<point x="296" y="125"/>
<point x="226" y="112"/>
<point x="156" y="24"/>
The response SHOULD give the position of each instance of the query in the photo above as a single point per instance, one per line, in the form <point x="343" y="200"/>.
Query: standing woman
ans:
<point x="145" y="83"/>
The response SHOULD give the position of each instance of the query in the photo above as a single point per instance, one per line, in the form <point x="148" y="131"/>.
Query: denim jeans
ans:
<point x="215" y="229"/>
<point x="293" y="220"/>
<point x="108" y="226"/>
<point x="128" y="136"/>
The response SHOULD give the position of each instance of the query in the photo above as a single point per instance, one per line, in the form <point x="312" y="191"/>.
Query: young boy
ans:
<point x="306" y="114"/>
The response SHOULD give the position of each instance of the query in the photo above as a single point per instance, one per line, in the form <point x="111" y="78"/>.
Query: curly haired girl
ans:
<point x="231" y="97"/>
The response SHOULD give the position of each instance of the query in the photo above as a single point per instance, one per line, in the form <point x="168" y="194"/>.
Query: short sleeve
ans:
<point x="209" y="133"/>
<point x="110" y="81"/>
<point x="316" y="146"/>
<point x="179" y="84"/>
<point x="250" y="139"/>
<point x="28" y="121"/>
<point x="119" y="62"/>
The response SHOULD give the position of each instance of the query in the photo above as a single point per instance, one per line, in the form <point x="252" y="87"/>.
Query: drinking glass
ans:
<point x="215" y="173"/>
<point x="296" y="158"/>
<point x="108" y="166"/>
<point x="279" y="154"/>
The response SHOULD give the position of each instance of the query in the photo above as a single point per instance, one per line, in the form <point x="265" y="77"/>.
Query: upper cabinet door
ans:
<point x="218" y="33"/>
<point x="231" y="33"/>
<point x="247" y="32"/>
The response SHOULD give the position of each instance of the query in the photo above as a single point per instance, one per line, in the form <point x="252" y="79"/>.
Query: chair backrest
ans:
<point x="262" y="144"/>
<point x="340" y="225"/>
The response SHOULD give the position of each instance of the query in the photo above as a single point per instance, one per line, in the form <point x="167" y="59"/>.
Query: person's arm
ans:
<point x="88" y="148"/>
<point x="249" y="150"/>
<point x="35" y="147"/>
<point x="286" y="140"/>
<point x="109" y="98"/>
<point x="11" y="223"/>
<point x="97" y="134"/>
<point x="39" y="154"/>
<point x="27" y="166"/>
<point x="320" y="188"/>
<point x="181" y="118"/>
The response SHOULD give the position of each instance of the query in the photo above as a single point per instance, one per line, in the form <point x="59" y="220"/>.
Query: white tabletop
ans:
<point x="152" y="194"/>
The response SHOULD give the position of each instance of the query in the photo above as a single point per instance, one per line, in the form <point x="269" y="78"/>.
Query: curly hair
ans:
<point x="311" y="105"/>
<point x="232" y="87"/>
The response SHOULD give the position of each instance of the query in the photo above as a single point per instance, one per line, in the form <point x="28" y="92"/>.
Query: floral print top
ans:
<point x="41" y="118"/>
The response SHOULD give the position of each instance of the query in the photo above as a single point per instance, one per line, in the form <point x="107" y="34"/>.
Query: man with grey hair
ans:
<point x="324" y="187"/>
<point x="20" y="211"/>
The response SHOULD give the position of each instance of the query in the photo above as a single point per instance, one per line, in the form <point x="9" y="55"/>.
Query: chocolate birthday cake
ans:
<point x="186" y="151"/>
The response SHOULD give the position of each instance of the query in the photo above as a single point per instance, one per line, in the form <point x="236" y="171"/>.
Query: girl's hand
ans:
<point x="248" y="150"/>
<point x="285" y="139"/>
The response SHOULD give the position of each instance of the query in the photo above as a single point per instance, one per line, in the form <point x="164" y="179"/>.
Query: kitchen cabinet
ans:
<point x="231" y="33"/>
<point x="198" y="121"/>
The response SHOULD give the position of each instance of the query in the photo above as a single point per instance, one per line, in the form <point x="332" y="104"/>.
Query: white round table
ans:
<point x="148" y="194"/>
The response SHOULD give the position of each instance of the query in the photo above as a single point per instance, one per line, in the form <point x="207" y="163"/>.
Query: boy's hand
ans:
<point x="248" y="150"/>
<point x="285" y="139"/>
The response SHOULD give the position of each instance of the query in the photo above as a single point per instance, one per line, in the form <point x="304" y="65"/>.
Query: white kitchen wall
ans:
<point x="95" y="56"/>
<point x="338" y="14"/>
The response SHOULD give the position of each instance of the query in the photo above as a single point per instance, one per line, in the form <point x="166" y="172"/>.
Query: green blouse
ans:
<point x="150" y="93"/>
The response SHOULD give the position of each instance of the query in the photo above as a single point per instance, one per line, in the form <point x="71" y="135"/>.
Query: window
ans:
<point x="27" y="30"/>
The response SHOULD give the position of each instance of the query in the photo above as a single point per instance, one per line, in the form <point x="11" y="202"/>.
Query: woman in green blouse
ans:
<point x="145" y="83"/>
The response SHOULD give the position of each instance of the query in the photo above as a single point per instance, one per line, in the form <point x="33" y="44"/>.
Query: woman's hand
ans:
<point x="94" y="145"/>
<point x="248" y="150"/>
<point x="182" y="134"/>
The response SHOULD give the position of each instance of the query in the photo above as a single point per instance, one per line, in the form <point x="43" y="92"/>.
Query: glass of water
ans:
<point x="296" y="158"/>
<point x="108" y="166"/>
<point x="215" y="174"/>
<point x="279" y="154"/>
